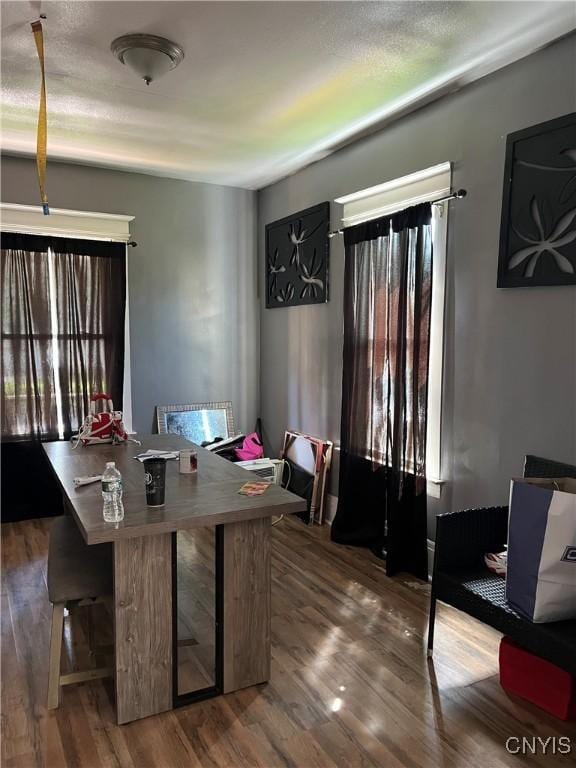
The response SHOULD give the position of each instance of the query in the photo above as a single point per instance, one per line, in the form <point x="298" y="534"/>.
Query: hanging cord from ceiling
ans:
<point x="42" y="121"/>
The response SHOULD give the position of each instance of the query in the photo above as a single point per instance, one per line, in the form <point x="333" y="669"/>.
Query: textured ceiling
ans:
<point x="265" y="87"/>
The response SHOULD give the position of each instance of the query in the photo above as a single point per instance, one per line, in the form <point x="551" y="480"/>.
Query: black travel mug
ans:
<point x="155" y="476"/>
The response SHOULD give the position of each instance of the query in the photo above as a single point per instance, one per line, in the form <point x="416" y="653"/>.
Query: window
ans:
<point x="64" y="327"/>
<point x="427" y="185"/>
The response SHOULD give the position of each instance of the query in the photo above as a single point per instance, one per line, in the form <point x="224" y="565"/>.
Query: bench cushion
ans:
<point x="76" y="571"/>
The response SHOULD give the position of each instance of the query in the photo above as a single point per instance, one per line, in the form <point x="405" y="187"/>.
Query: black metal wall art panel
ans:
<point x="297" y="254"/>
<point x="538" y="229"/>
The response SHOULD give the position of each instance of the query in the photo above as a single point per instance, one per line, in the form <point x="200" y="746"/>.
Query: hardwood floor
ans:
<point x="350" y="683"/>
<point x="196" y="600"/>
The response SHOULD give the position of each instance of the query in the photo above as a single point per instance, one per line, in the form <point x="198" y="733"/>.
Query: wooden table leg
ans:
<point x="143" y="626"/>
<point x="246" y="603"/>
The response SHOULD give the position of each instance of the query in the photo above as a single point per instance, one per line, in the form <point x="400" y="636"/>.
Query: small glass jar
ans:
<point x="188" y="463"/>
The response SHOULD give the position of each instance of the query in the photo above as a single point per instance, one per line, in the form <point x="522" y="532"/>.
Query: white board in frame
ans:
<point x="198" y="422"/>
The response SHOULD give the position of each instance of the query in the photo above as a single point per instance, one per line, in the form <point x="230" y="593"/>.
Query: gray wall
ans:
<point x="192" y="280"/>
<point x="510" y="362"/>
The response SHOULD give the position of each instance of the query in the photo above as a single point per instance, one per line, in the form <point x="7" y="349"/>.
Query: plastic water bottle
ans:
<point x="112" y="494"/>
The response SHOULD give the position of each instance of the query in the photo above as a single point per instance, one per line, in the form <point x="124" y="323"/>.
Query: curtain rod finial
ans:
<point x="461" y="193"/>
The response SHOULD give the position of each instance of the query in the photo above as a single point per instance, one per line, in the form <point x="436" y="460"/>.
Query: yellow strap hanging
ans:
<point x="42" y="125"/>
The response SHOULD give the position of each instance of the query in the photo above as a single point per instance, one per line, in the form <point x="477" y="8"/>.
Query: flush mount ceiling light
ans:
<point x="149" y="56"/>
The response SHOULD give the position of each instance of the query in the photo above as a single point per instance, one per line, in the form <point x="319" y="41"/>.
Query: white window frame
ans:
<point x="86" y="225"/>
<point x="426" y="185"/>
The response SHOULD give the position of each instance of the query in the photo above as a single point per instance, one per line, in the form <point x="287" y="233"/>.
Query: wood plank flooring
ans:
<point x="196" y="601"/>
<point x="350" y="683"/>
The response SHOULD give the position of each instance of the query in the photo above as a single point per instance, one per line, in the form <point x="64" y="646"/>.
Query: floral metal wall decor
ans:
<point x="297" y="258"/>
<point x="538" y="229"/>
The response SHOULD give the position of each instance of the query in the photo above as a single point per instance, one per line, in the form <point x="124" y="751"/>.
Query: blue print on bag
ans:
<point x="569" y="555"/>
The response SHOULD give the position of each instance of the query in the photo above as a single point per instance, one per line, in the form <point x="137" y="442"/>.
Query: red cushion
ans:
<point x="538" y="681"/>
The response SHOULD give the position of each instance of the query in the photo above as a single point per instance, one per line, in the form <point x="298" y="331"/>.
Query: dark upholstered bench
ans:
<point x="462" y="580"/>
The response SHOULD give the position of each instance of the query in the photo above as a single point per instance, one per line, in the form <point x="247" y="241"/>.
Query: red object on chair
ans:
<point x="536" y="680"/>
<point x="102" y="427"/>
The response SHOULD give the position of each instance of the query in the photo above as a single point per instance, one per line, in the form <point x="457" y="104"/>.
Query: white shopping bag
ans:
<point x="541" y="574"/>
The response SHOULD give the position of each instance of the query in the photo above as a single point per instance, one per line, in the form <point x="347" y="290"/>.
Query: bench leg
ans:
<point x="55" y="655"/>
<point x="431" y="622"/>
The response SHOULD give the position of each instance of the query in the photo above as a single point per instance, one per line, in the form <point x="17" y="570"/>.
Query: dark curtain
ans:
<point x="90" y="282"/>
<point x="84" y="316"/>
<point x="73" y="298"/>
<point x="28" y="404"/>
<point x="382" y="484"/>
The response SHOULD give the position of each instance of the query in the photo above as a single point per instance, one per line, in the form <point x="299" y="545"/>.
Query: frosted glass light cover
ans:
<point x="148" y="63"/>
<point x="149" y="56"/>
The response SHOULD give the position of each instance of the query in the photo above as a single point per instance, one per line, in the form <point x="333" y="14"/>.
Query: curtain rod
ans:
<point x="455" y="196"/>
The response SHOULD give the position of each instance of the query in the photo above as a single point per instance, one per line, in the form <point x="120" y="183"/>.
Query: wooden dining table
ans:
<point x="144" y="563"/>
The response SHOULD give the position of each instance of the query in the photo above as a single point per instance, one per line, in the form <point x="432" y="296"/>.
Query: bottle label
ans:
<point x="111" y="486"/>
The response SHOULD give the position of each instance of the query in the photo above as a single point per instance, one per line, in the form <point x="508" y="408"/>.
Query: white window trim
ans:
<point x="54" y="347"/>
<point x="87" y="225"/>
<point x="397" y="194"/>
<point x="426" y="185"/>
<point x="65" y="223"/>
<point x="127" y="388"/>
<point x="436" y="359"/>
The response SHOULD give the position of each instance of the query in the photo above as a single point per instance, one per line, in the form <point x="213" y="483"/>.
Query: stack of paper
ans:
<point x="152" y="454"/>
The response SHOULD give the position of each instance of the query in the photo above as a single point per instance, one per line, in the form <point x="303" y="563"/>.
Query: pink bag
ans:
<point x="251" y="448"/>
